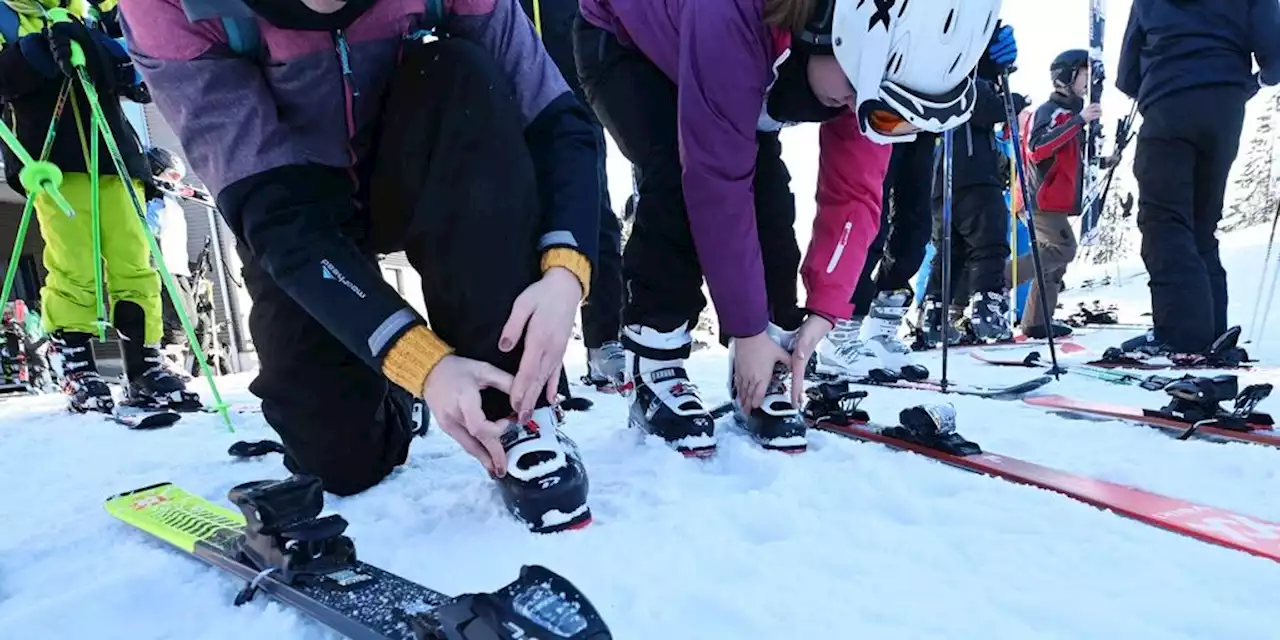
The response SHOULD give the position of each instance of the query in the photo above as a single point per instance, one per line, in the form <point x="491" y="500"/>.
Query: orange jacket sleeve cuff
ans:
<point x="574" y="261"/>
<point x="412" y="357"/>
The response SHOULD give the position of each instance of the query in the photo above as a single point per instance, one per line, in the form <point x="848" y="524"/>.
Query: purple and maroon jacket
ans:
<point x="249" y="128"/>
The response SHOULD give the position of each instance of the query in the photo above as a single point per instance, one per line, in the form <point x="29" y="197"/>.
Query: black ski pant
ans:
<point x="637" y="104"/>
<point x="979" y="243"/>
<point x="602" y="310"/>
<point x="1186" y="145"/>
<point x="173" y="331"/>
<point x="441" y="187"/>
<point x="906" y="222"/>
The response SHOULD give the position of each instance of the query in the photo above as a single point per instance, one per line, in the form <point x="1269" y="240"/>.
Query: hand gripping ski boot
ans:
<point x="546" y="485"/>
<point x="881" y="335"/>
<point x="776" y="424"/>
<point x="85" y="388"/>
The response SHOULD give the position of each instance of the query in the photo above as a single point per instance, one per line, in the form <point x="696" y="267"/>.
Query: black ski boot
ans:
<point x="933" y="426"/>
<point x="545" y="486"/>
<point x="989" y="317"/>
<point x="777" y="423"/>
<point x="933" y="324"/>
<point x="282" y="533"/>
<point x="151" y="384"/>
<point x="667" y="404"/>
<point x="84" y="387"/>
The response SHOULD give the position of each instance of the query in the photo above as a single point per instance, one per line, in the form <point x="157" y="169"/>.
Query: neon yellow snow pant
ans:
<point x="68" y="295"/>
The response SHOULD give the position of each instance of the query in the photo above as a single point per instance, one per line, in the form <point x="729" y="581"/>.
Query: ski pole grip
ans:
<point x="57" y="15"/>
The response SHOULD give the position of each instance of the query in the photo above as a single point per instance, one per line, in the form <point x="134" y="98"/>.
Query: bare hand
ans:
<point x="812" y="332"/>
<point x="753" y="362"/>
<point x="544" y="314"/>
<point x="453" y="393"/>
<point x="1091" y="112"/>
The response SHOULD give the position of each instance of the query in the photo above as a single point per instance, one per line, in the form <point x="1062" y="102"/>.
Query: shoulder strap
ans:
<point x="243" y="36"/>
<point x="9" y="23"/>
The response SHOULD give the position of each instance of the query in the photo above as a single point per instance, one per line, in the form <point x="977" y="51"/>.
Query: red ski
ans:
<point x="1205" y="523"/>
<point x="1256" y="433"/>
<point x="1007" y="358"/>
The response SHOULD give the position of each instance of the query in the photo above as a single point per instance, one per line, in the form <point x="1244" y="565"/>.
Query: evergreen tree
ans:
<point x="1254" y="185"/>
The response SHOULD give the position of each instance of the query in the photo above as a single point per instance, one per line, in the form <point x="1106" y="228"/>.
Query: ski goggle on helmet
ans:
<point x="911" y="62"/>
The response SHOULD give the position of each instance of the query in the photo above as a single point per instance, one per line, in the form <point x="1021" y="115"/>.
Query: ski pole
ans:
<point x="1275" y="278"/>
<point x="30" y="206"/>
<point x="1257" y="298"/>
<point x="100" y="121"/>
<point x="1029" y="197"/>
<point x="947" y="198"/>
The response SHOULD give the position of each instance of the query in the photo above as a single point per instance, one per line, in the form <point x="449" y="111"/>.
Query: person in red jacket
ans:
<point x="1056" y="148"/>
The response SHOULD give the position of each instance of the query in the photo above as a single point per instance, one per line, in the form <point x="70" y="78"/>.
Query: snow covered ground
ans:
<point x="848" y="540"/>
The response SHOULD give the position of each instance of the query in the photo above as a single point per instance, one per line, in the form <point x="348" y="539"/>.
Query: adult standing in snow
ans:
<point x="1188" y="64"/>
<point x="694" y="94"/>
<point x="36" y="61"/>
<point x="602" y="309"/>
<point x="344" y="135"/>
<point x="1056" y="147"/>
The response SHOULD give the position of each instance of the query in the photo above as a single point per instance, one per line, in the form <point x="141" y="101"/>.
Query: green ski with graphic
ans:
<point x="280" y="546"/>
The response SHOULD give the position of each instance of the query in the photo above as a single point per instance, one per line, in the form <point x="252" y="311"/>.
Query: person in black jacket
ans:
<point x="1187" y="63"/>
<point x="979" y="223"/>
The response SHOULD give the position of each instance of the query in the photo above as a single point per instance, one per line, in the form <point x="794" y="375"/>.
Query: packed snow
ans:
<point x="848" y="540"/>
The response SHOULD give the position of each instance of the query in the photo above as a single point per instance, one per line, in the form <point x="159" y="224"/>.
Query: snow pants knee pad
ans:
<point x="349" y="460"/>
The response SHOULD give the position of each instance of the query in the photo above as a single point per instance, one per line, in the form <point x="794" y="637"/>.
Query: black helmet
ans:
<point x="163" y="160"/>
<point x="1067" y="64"/>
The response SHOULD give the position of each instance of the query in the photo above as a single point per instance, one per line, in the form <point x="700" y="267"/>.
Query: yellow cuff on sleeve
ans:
<point x="411" y="359"/>
<point x="570" y="259"/>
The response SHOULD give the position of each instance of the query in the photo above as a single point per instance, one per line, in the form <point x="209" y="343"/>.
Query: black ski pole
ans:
<point x="947" y="198"/>
<point x="1262" y="281"/>
<point x="1029" y="200"/>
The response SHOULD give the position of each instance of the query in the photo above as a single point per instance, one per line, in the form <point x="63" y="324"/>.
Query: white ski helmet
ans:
<point x="911" y="62"/>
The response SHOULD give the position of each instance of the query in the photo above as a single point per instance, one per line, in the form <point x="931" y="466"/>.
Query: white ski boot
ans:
<point x="842" y="354"/>
<point x="665" y="402"/>
<point x="881" y="335"/>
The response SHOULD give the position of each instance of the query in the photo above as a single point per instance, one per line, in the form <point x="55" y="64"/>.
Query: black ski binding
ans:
<point x="539" y="604"/>
<point x="284" y="538"/>
<point x="1197" y="400"/>
<point x="254" y="449"/>
<point x="933" y="426"/>
<point x="835" y="403"/>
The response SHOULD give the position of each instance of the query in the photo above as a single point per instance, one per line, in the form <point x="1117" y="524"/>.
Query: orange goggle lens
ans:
<point x="888" y="123"/>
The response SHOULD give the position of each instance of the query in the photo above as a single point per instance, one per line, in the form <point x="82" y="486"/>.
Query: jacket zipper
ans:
<point x="844" y="239"/>
<point x="349" y="92"/>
